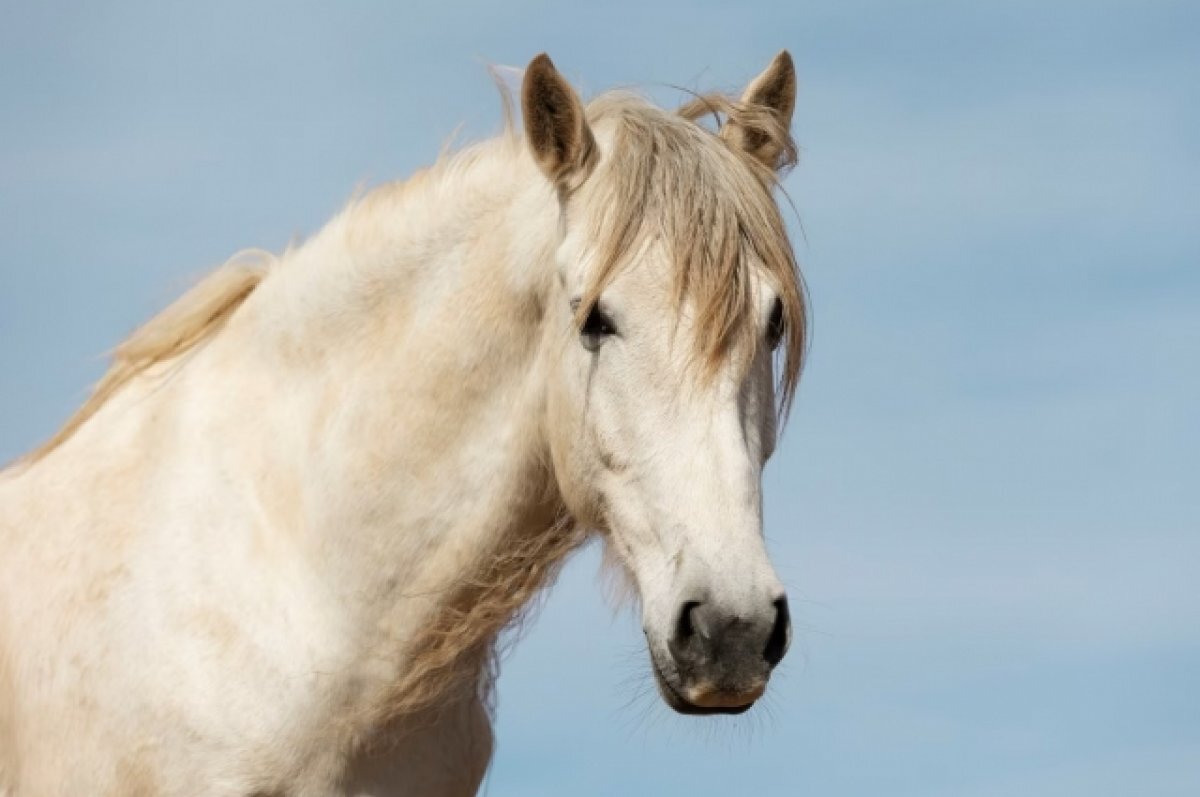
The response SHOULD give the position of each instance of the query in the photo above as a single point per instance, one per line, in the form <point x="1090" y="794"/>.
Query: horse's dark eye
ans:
<point x="597" y="324"/>
<point x="775" y="326"/>
<point x="596" y="327"/>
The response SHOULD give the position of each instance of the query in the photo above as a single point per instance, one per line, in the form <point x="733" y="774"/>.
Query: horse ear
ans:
<point x="775" y="91"/>
<point x="555" y="127"/>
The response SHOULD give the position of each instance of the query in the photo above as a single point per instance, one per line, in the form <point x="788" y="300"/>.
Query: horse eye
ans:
<point x="596" y="326"/>
<point x="775" y="326"/>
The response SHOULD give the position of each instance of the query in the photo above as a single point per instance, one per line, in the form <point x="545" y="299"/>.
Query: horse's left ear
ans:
<point x="775" y="91"/>
<point x="555" y="125"/>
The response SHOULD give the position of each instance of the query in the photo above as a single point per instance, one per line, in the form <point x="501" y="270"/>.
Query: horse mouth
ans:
<point x="670" y="693"/>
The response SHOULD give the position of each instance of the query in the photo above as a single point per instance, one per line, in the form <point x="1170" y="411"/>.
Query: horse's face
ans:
<point x="665" y="463"/>
<point x="669" y="468"/>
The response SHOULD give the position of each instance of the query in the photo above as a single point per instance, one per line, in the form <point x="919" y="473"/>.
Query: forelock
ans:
<point x="666" y="177"/>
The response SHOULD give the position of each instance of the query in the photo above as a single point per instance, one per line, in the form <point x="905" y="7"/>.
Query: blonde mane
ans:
<point x="459" y="647"/>
<point x="710" y="204"/>
<point x="187" y="322"/>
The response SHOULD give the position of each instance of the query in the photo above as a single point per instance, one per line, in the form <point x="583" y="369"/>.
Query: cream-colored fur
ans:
<point x="271" y="556"/>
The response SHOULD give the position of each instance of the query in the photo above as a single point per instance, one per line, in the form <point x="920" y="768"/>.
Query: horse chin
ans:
<point x="672" y="697"/>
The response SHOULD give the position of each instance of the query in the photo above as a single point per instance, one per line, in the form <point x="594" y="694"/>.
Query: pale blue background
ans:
<point x="986" y="506"/>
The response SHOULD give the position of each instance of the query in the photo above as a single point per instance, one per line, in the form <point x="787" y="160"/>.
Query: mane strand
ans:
<point x="189" y="320"/>
<point x="711" y="205"/>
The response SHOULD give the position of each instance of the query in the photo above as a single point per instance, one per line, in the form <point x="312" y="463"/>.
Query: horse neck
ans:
<point x="402" y="353"/>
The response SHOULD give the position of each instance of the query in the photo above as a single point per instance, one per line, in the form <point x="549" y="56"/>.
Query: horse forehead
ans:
<point x="651" y="277"/>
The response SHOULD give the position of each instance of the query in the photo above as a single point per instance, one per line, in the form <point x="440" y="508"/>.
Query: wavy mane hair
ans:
<point x="709" y="200"/>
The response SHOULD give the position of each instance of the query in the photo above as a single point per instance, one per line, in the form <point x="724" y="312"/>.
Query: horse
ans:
<point x="272" y="553"/>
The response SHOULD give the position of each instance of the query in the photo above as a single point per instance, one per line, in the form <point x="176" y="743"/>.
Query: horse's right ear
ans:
<point x="558" y="133"/>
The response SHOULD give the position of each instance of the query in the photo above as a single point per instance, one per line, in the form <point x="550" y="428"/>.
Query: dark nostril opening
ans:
<point x="777" y="643"/>
<point x="685" y="627"/>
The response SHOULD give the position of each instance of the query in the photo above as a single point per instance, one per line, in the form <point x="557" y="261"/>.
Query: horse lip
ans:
<point x="684" y="706"/>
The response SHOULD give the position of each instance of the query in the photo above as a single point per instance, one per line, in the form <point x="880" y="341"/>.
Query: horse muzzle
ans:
<point x="719" y="661"/>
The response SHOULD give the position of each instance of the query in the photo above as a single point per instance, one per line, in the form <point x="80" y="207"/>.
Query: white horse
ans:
<point x="272" y="553"/>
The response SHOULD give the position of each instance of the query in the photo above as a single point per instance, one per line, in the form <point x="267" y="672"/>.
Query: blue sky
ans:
<point x="986" y="506"/>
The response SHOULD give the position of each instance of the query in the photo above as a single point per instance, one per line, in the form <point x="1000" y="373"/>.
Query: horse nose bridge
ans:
<point x="728" y="564"/>
<point x="732" y="572"/>
<point x="713" y="506"/>
<point x="717" y="483"/>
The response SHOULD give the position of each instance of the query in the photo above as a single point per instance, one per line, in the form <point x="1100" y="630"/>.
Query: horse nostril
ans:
<point x="777" y="643"/>
<point x="685" y="626"/>
<point x="684" y="640"/>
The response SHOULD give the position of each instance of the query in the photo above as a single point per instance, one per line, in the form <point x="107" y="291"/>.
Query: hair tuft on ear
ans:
<point x="774" y="92"/>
